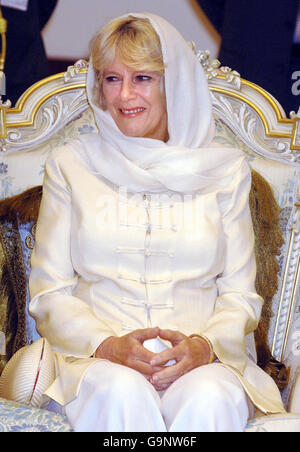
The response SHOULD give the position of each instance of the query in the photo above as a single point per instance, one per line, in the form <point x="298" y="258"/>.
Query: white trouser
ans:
<point x="115" y="398"/>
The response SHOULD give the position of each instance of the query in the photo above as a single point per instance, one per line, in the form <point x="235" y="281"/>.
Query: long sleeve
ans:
<point x="68" y="322"/>
<point x="238" y="306"/>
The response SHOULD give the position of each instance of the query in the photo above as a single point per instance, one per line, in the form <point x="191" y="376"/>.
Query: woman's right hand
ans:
<point x="128" y="350"/>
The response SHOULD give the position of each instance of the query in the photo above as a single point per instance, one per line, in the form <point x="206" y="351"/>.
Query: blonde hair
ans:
<point x="133" y="41"/>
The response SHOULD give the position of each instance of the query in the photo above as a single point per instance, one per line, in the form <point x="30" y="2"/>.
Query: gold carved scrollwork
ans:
<point x="3" y="27"/>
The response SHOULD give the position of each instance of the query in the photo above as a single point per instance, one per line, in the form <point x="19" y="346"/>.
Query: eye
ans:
<point x="143" y="78"/>
<point x="111" y="78"/>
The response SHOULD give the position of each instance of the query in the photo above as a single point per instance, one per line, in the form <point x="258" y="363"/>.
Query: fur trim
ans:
<point x="268" y="240"/>
<point x="24" y="206"/>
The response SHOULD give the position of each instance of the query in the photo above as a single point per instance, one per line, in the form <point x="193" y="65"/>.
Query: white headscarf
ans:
<point x="185" y="163"/>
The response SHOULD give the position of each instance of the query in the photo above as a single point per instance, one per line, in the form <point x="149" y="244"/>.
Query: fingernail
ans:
<point x="153" y="362"/>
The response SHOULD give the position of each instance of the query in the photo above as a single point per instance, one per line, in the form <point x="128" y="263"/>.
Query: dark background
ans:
<point x="257" y="41"/>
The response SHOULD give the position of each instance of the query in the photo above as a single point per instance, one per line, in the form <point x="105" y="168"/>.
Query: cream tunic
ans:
<point x="107" y="262"/>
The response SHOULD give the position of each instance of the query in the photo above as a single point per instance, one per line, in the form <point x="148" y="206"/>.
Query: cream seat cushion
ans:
<point x="275" y="423"/>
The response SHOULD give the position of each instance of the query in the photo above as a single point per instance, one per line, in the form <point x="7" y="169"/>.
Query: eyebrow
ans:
<point x="144" y="71"/>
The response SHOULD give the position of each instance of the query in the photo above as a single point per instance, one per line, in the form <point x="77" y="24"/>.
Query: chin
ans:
<point x="131" y="133"/>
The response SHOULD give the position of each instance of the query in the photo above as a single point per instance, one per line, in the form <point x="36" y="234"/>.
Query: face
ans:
<point x="136" y="101"/>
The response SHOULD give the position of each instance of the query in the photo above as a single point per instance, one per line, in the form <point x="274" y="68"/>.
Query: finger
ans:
<point x="152" y="369"/>
<point x="165" y="381"/>
<point x="162" y="387"/>
<point x="135" y="341"/>
<point x="172" y="336"/>
<point x="148" y="377"/>
<point x="142" y="367"/>
<point x="143" y="354"/>
<point x="162" y="358"/>
<point x="140" y="361"/>
<point x="145" y="333"/>
<point x="169" y="373"/>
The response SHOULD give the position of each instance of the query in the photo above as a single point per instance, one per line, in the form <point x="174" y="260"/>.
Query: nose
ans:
<point x="127" y="90"/>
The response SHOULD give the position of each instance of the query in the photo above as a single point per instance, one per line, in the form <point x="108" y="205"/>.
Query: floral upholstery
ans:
<point x="18" y="418"/>
<point x="13" y="178"/>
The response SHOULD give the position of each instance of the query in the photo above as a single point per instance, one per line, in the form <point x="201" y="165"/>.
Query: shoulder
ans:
<point x="66" y="155"/>
<point x="61" y="153"/>
<point x="62" y="163"/>
<point x="239" y="171"/>
<point x="225" y="163"/>
<point x="233" y="175"/>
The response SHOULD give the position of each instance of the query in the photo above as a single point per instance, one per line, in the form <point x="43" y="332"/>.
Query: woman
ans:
<point x="143" y="271"/>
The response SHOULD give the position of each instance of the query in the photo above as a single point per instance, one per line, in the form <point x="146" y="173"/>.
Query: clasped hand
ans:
<point x="129" y="351"/>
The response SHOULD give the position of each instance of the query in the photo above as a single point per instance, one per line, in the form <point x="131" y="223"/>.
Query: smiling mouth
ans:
<point x="132" y="112"/>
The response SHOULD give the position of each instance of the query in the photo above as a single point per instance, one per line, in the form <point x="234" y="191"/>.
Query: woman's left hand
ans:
<point x="187" y="352"/>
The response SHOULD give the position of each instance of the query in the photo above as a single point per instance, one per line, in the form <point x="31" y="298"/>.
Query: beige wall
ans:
<point x="74" y="22"/>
